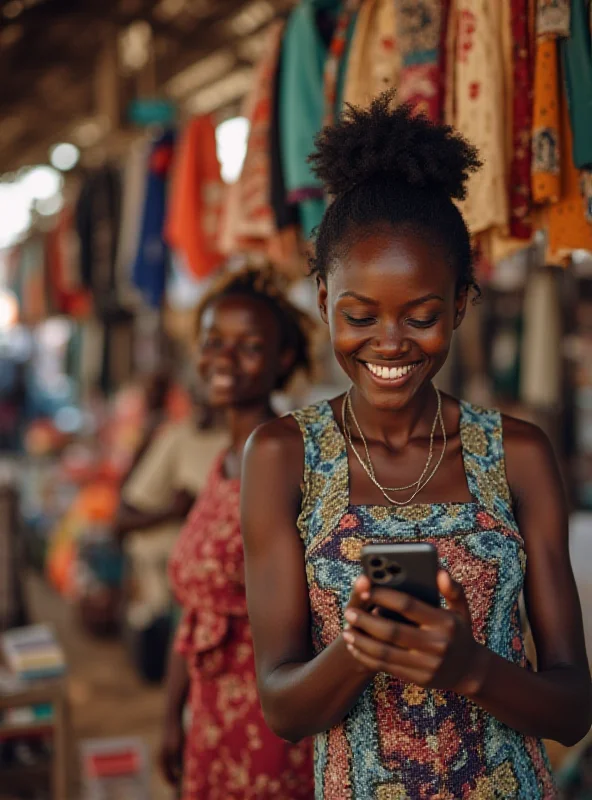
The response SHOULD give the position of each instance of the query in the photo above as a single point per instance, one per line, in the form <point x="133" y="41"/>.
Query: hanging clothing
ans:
<point x="420" y="28"/>
<point x="577" y="67"/>
<point x="566" y="221"/>
<point x="477" y="93"/>
<point x="374" y="62"/>
<point x="251" y="223"/>
<point x="97" y="222"/>
<point x="230" y="752"/>
<point x="552" y="23"/>
<point x="522" y="109"/>
<point x="337" y="57"/>
<point x="400" y="740"/>
<point x="133" y="194"/>
<point x="302" y="103"/>
<point x="67" y="294"/>
<point x="151" y="262"/>
<point x="193" y="215"/>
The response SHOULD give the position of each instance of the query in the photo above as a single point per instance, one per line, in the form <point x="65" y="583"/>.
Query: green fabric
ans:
<point x="577" y="64"/>
<point x="302" y="103"/>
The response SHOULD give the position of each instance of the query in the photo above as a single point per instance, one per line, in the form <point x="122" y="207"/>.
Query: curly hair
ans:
<point x="266" y="286"/>
<point x="385" y="166"/>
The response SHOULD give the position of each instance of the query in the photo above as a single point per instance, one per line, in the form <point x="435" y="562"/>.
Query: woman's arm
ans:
<point x="177" y="691"/>
<point x="553" y="703"/>
<point x="130" y="518"/>
<point x="301" y="695"/>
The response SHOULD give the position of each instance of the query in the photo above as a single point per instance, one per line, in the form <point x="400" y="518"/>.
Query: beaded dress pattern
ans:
<point x="401" y="741"/>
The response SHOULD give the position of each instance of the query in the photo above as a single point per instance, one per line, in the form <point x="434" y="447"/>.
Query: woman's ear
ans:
<point x="460" y="307"/>
<point x="322" y="299"/>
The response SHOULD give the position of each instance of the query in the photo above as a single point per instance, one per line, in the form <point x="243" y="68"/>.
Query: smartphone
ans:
<point x="409" y="568"/>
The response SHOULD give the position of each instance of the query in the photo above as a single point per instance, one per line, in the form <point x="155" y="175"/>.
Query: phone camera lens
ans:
<point x="377" y="563"/>
<point x="379" y="575"/>
<point x="394" y="570"/>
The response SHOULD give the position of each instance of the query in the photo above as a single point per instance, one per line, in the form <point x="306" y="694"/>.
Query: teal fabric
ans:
<point x="302" y="104"/>
<point x="577" y="65"/>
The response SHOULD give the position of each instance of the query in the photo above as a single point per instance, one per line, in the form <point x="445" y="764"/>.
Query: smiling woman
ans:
<point x="447" y="706"/>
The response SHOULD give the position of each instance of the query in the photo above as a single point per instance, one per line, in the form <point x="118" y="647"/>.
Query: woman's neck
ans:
<point x="395" y="428"/>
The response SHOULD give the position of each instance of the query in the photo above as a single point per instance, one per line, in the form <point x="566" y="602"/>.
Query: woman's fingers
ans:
<point x="414" y="672"/>
<point x="389" y="654"/>
<point x="361" y="593"/>
<point x="400" y="634"/>
<point x="408" y="606"/>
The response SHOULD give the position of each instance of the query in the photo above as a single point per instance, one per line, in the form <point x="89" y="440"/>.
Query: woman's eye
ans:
<point x="423" y="323"/>
<point x="359" y="321"/>
<point x="253" y="348"/>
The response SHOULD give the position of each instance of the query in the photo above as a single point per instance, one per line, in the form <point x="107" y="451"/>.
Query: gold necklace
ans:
<point x="369" y="468"/>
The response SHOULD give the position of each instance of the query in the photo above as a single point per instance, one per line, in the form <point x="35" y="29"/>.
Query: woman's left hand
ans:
<point x="439" y="653"/>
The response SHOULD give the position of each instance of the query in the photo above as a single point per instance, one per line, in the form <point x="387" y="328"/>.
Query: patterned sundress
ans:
<point x="401" y="741"/>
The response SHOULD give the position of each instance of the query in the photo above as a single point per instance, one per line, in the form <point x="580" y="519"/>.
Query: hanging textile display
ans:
<point x="521" y="129"/>
<point x="133" y="193"/>
<point x="576" y="52"/>
<point x="420" y="27"/>
<point x="476" y="95"/>
<point x="552" y="23"/>
<point x="303" y="96"/>
<point x="150" y="265"/>
<point x="67" y="295"/>
<point x="374" y="63"/>
<point x="251" y="222"/>
<point x="568" y="228"/>
<point x="97" y="222"/>
<point x="193" y="216"/>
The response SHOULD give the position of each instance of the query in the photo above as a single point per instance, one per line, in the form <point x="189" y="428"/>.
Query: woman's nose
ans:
<point x="389" y="342"/>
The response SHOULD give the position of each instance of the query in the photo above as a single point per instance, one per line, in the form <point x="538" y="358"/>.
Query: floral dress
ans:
<point x="230" y="752"/>
<point x="401" y="741"/>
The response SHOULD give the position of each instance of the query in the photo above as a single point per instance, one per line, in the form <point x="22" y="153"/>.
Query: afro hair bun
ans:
<point x="389" y="141"/>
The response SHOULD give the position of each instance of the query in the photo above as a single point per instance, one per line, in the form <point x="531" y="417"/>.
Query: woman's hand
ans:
<point x="440" y="653"/>
<point x="170" y="755"/>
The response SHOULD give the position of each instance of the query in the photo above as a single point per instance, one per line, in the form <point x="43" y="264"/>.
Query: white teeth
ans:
<point x="392" y="373"/>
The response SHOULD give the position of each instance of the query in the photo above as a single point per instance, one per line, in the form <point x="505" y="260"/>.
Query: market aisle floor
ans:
<point x="107" y="697"/>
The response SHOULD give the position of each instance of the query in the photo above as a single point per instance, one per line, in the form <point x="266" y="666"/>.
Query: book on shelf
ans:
<point x="33" y="653"/>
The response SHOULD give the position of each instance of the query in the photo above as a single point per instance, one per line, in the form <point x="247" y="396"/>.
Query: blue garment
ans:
<point x="151" y="264"/>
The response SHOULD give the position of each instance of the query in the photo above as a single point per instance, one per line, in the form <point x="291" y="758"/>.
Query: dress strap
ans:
<point x="325" y="486"/>
<point x="482" y="439"/>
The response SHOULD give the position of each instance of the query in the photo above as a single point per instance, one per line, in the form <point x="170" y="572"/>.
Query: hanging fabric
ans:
<point x="374" y="62"/>
<point x="420" y="27"/>
<point x="67" y="295"/>
<point x="97" y="222"/>
<point x="251" y="223"/>
<point x="522" y="99"/>
<point x="475" y="69"/>
<point x="568" y="227"/>
<point x="150" y="265"/>
<point x="576" y="52"/>
<point x="337" y="57"/>
<point x="133" y="193"/>
<point x="193" y="215"/>
<point x="552" y="24"/>
<point x="304" y="89"/>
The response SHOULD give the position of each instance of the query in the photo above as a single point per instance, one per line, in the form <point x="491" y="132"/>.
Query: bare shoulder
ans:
<point x="531" y="465"/>
<point x="276" y="449"/>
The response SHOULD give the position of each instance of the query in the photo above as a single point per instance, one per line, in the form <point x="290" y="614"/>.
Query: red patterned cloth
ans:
<point x="520" y="169"/>
<point x="230" y="753"/>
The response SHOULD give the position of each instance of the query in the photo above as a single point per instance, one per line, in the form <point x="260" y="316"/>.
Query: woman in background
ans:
<point x="251" y="341"/>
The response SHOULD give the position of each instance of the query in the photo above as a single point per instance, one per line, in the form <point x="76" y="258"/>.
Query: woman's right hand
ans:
<point x="171" y="752"/>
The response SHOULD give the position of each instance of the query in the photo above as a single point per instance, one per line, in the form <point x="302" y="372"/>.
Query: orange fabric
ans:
<point x="546" y="182"/>
<point x="194" y="204"/>
<point x="567" y="224"/>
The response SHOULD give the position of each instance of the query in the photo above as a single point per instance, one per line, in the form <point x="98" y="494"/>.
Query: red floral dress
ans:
<point x="230" y="753"/>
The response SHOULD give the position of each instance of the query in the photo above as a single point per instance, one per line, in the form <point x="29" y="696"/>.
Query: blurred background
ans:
<point x="148" y="145"/>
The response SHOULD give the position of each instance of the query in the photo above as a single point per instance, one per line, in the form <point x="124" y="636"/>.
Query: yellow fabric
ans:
<point x="478" y="86"/>
<point x="374" y="61"/>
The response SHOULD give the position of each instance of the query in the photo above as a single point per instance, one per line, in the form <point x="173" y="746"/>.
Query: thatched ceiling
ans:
<point x="64" y="75"/>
